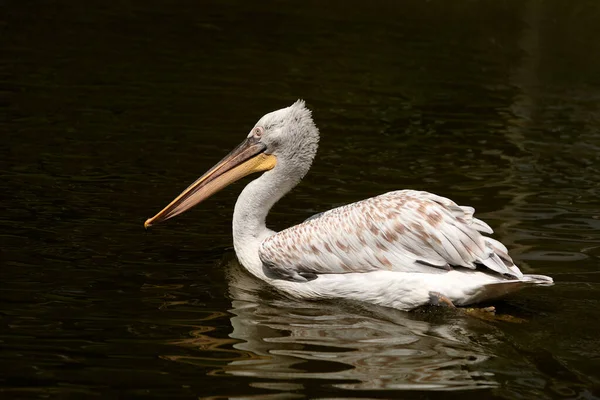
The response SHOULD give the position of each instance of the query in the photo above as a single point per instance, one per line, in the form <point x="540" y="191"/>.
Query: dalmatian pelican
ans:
<point x="402" y="249"/>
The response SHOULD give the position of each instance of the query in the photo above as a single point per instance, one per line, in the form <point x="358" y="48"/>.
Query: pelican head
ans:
<point x="284" y="142"/>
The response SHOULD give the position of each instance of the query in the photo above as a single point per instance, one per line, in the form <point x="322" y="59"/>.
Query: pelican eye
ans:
<point x="258" y="132"/>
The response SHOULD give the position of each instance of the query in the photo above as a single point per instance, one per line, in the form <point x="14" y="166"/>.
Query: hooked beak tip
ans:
<point x="148" y="223"/>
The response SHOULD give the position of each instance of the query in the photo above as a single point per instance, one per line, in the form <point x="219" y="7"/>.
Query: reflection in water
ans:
<point x="357" y="348"/>
<point x="287" y="346"/>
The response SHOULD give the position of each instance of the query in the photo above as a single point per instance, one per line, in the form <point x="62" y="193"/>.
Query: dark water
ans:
<point x="109" y="109"/>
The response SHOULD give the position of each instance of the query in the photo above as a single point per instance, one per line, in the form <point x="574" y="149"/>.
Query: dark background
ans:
<point x="109" y="109"/>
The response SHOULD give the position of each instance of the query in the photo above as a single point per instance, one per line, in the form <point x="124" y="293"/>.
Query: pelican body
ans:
<point x="402" y="249"/>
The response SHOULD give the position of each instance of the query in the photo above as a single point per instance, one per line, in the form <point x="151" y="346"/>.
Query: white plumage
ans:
<point x="398" y="249"/>
<point x="402" y="231"/>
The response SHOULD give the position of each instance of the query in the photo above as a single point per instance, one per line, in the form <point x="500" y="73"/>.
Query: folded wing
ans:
<point x="405" y="231"/>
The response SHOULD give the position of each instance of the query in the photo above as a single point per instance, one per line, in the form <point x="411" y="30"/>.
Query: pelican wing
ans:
<point x="405" y="231"/>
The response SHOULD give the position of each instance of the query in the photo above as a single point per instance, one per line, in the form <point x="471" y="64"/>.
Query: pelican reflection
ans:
<point x="355" y="346"/>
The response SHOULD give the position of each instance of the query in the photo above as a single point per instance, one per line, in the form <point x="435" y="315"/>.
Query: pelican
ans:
<point x="402" y="249"/>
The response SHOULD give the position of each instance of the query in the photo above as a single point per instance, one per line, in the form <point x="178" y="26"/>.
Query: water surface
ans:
<point x="108" y="110"/>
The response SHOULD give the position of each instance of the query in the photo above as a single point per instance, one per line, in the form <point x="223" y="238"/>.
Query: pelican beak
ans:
<point x="245" y="159"/>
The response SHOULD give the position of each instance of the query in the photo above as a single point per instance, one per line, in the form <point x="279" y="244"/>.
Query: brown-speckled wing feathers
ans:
<point x="406" y="231"/>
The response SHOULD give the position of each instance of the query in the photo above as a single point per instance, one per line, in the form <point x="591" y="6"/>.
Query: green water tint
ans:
<point x="109" y="110"/>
